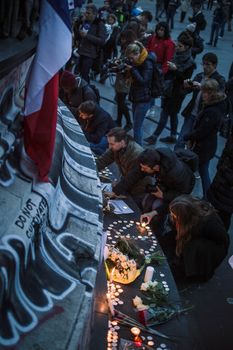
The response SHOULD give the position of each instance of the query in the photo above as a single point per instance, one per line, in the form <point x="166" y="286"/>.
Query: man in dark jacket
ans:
<point x="198" y="17"/>
<point x="74" y="90"/>
<point x="124" y="151"/>
<point x="190" y="112"/>
<point x="95" y="123"/>
<point x="172" y="178"/>
<point x="90" y="35"/>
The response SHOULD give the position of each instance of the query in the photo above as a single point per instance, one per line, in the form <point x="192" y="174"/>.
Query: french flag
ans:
<point x="53" y="51"/>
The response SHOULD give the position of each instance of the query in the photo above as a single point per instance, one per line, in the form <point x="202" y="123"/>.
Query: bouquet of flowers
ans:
<point x="124" y="262"/>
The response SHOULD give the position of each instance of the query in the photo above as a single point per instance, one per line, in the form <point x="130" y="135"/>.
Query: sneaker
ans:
<point x="168" y="139"/>
<point x="128" y="127"/>
<point x="220" y="37"/>
<point x="151" y="140"/>
<point x="208" y="43"/>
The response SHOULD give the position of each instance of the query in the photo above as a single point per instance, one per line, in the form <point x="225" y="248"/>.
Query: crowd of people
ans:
<point x="116" y="39"/>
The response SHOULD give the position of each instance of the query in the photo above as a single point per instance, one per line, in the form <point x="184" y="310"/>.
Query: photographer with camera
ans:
<point x="141" y="74"/>
<point x="122" y="83"/>
<point x="190" y="112"/>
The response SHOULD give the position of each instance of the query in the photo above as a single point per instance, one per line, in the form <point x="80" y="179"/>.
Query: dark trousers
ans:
<point x="122" y="108"/>
<point x="182" y="16"/>
<point x="85" y="64"/>
<point x="163" y="121"/>
<point x="214" y="33"/>
<point x="226" y="218"/>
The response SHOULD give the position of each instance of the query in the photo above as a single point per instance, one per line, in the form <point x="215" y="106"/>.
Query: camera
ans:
<point x="116" y="65"/>
<point x="190" y="82"/>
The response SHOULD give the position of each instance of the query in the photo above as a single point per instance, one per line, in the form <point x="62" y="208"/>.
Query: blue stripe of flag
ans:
<point x="61" y="7"/>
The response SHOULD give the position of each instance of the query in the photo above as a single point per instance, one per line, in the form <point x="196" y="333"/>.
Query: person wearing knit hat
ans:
<point x="74" y="90"/>
<point x="191" y="27"/>
<point x="198" y="42"/>
<point x="67" y="80"/>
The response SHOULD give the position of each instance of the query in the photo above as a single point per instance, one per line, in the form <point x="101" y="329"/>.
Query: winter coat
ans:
<point x="220" y="193"/>
<point x="97" y="126"/>
<point x="90" y="45"/>
<point x="204" y="134"/>
<point x="164" y="50"/>
<point x="207" y="248"/>
<point x="200" y="21"/>
<point x="140" y="89"/>
<point x="199" y="77"/>
<point x="174" y="178"/>
<point x="125" y="160"/>
<point x="173" y="103"/>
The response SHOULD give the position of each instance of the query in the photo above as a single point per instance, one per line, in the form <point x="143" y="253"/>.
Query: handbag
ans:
<point x="226" y="122"/>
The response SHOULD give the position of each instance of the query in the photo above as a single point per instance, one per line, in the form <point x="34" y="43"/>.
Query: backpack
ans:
<point x="157" y="84"/>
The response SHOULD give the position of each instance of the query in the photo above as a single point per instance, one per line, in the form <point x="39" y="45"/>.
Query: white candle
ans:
<point x="149" y="274"/>
<point x="110" y="305"/>
<point x="135" y="330"/>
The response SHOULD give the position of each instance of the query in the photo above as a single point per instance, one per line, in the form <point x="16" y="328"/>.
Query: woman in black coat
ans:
<point x="220" y="193"/>
<point x="141" y="74"/>
<point x="201" y="241"/>
<point x="203" y="138"/>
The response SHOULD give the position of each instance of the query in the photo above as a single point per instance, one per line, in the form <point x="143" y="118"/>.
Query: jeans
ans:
<point x="163" y="121"/>
<point x="186" y="128"/>
<point x="214" y="33"/>
<point x="139" y="112"/>
<point x="101" y="147"/>
<point x="205" y="177"/>
<point x="222" y="29"/>
<point x="85" y="65"/>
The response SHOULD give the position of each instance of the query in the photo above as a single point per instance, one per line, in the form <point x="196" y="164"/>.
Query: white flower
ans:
<point x="142" y="307"/>
<point x="137" y="301"/>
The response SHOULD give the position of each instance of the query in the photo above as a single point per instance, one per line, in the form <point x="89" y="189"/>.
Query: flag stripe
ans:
<point x="53" y="51"/>
<point x="61" y="7"/>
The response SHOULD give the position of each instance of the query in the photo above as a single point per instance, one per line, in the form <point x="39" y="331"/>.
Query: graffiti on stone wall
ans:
<point x="11" y="102"/>
<point x="53" y="245"/>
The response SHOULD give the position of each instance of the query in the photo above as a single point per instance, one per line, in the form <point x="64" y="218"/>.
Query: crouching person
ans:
<point x="123" y="151"/>
<point x="172" y="178"/>
<point x="95" y="123"/>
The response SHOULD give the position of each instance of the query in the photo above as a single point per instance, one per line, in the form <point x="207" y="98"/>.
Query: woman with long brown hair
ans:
<point x="201" y="239"/>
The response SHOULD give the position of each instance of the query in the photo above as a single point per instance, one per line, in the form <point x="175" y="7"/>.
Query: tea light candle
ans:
<point x="110" y="305"/>
<point x="149" y="274"/>
<point x="135" y="331"/>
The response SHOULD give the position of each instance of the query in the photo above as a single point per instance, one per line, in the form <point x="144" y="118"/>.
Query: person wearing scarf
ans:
<point x="140" y="67"/>
<point x="180" y="68"/>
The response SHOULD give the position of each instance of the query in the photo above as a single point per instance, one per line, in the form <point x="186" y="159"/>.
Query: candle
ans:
<point x="110" y="305"/>
<point x="111" y="275"/>
<point x="135" y="331"/>
<point x="149" y="274"/>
